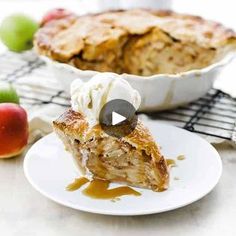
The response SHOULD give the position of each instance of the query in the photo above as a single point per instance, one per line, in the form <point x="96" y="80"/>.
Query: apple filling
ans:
<point x="158" y="53"/>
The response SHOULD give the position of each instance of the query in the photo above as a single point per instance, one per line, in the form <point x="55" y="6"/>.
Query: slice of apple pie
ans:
<point x="134" y="159"/>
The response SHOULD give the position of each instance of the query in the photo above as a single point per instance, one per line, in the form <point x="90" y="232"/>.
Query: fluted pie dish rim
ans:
<point x="158" y="92"/>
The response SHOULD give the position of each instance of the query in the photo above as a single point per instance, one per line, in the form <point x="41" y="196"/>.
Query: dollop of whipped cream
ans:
<point x="89" y="98"/>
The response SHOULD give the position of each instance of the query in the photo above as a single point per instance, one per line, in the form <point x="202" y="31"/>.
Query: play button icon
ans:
<point x="118" y="118"/>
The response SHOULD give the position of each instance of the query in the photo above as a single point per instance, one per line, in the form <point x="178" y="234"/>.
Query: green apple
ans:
<point x="17" y="31"/>
<point x="8" y="94"/>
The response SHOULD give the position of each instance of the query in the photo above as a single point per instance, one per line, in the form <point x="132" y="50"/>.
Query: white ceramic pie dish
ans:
<point x="158" y="92"/>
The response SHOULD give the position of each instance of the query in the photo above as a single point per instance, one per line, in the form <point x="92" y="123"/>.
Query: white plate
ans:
<point x="49" y="168"/>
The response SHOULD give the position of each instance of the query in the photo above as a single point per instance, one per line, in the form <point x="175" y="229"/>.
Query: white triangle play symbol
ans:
<point x="117" y="118"/>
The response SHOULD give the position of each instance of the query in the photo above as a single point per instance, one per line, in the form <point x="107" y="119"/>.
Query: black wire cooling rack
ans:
<point x="212" y="115"/>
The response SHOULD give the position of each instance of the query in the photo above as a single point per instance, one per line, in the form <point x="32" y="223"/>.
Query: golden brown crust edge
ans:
<point x="43" y="39"/>
<point x="72" y="124"/>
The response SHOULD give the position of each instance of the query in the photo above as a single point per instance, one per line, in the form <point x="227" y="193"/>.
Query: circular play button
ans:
<point x="118" y="118"/>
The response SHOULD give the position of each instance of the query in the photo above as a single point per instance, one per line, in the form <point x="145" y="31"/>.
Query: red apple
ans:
<point x="13" y="130"/>
<point x="55" y="14"/>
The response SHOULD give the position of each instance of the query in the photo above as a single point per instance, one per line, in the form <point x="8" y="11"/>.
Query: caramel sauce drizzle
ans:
<point x="170" y="162"/>
<point x="99" y="189"/>
<point x="181" y="157"/>
<point x="78" y="183"/>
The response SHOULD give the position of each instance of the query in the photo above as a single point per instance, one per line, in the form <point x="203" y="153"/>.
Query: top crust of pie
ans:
<point x="98" y="41"/>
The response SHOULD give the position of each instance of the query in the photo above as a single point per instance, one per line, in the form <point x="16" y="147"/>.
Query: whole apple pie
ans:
<point x="138" y="41"/>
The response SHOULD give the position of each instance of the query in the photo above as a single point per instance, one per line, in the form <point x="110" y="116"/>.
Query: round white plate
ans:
<point x="49" y="168"/>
